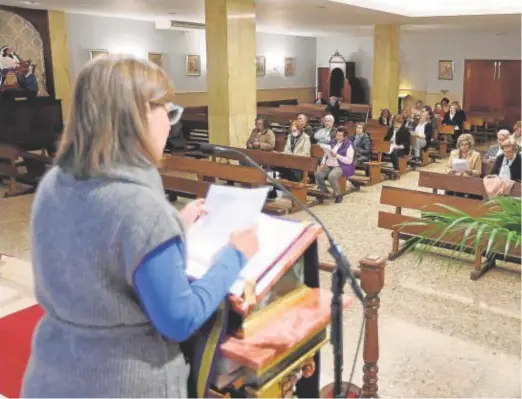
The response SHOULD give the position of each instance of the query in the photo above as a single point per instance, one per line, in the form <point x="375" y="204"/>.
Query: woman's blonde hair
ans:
<point x="466" y="137"/>
<point x="107" y="123"/>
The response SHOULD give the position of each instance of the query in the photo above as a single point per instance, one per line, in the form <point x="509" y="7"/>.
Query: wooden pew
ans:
<point x="175" y="171"/>
<point x="468" y="185"/>
<point x="423" y="201"/>
<point x="273" y="159"/>
<point x="444" y="132"/>
<point x="10" y="165"/>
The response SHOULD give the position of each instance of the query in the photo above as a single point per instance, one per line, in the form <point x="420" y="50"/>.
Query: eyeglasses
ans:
<point x="174" y="112"/>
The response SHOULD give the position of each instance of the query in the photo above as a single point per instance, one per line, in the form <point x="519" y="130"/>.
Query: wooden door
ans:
<point x="508" y="77"/>
<point x="323" y="81"/>
<point x="481" y="89"/>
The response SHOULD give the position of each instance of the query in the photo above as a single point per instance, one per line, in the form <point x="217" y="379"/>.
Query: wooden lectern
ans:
<point x="266" y="344"/>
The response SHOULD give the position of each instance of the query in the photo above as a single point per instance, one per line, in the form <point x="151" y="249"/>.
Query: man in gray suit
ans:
<point x="362" y="145"/>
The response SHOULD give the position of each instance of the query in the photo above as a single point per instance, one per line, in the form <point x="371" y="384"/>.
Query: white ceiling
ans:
<point x="317" y="18"/>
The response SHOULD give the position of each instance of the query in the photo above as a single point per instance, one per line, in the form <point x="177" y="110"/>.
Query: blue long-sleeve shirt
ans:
<point x="176" y="306"/>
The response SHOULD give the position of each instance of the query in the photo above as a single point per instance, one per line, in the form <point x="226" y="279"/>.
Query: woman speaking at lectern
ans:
<point x="108" y="249"/>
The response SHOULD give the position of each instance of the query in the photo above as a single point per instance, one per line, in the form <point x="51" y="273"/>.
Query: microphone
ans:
<point x="343" y="265"/>
<point x="341" y="273"/>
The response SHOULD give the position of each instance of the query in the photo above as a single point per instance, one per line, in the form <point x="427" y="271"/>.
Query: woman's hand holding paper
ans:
<point x="192" y="211"/>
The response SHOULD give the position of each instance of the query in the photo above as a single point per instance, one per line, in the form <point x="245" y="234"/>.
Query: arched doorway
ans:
<point x="337" y="83"/>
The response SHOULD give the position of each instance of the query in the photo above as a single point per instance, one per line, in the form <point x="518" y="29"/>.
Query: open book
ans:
<point x="229" y="209"/>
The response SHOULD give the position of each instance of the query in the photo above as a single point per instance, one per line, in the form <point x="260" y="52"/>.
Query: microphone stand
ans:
<point x="342" y="272"/>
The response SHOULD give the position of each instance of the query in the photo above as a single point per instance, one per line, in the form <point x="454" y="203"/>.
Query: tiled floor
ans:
<point x="442" y="335"/>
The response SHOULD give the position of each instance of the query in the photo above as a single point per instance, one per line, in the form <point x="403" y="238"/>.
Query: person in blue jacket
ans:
<point x="109" y="251"/>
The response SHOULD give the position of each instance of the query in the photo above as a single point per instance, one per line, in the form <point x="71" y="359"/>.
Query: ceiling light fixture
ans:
<point x="31" y="3"/>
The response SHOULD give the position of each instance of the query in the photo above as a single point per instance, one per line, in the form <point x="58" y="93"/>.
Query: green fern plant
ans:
<point x="498" y="230"/>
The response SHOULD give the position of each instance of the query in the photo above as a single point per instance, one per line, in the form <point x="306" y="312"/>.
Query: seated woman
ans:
<point x="516" y="134"/>
<point x="261" y="137"/>
<point x="445" y="105"/>
<point x="399" y="137"/>
<point x="465" y="151"/>
<point x="507" y="165"/>
<point x="326" y="133"/>
<point x="406" y="118"/>
<point x="386" y="118"/>
<point x="339" y="163"/>
<point x="423" y="131"/>
<point x="495" y="150"/>
<point x="416" y="110"/>
<point x="437" y="110"/>
<point x="455" y="117"/>
<point x="297" y="143"/>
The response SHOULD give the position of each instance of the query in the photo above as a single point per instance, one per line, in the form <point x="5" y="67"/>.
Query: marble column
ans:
<point x="386" y="65"/>
<point x="231" y="70"/>
<point x="60" y="55"/>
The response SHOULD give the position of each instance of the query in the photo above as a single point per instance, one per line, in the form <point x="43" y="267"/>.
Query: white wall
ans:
<point x="420" y="53"/>
<point x="141" y="37"/>
<point x="356" y="48"/>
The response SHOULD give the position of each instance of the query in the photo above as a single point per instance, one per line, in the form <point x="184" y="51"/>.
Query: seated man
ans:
<point x="302" y="124"/>
<point x="507" y="165"/>
<point x="399" y="137"/>
<point x="327" y="133"/>
<point x="339" y="163"/>
<point x="362" y="144"/>
<point x="261" y="137"/>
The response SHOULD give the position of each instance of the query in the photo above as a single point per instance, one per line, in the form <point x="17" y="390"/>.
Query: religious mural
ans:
<point x="21" y="54"/>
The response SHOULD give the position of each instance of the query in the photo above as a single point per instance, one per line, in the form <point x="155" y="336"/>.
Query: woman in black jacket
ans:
<point x="455" y="117"/>
<point x="508" y="165"/>
<point x="399" y="138"/>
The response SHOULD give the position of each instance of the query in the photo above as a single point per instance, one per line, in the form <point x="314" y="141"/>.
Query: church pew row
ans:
<point x="469" y="185"/>
<point x="274" y="160"/>
<point x="10" y="165"/>
<point x="177" y="174"/>
<point x="423" y="201"/>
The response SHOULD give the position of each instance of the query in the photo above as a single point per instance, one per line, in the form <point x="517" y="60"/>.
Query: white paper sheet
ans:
<point x="460" y="165"/>
<point x="229" y="209"/>
<point x="326" y="148"/>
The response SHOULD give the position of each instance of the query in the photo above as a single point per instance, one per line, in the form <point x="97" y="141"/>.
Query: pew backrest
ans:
<point x="202" y="167"/>
<point x="468" y="185"/>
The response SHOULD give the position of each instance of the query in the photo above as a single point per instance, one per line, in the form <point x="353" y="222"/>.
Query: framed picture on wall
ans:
<point x="157" y="58"/>
<point x="260" y="65"/>
<point x="193" y="66"/>
<point x="446" y="69"/>
<point x="96" y="53"/>
<point x="289" y="66"/>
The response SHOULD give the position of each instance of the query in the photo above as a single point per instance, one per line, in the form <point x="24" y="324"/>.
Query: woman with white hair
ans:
<point x="327" y="133"/>
<point x="496" y="149"/>
<point x="465" y="152"/>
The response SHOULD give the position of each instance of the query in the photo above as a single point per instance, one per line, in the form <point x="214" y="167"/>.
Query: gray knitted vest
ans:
<point x="88" y="237"/>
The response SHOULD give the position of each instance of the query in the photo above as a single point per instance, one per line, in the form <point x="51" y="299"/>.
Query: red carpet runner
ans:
<point x="16" y="332"/>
